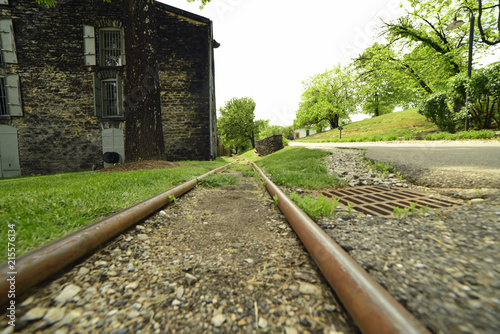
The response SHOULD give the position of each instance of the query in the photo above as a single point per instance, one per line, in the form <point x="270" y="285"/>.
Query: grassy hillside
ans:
<point x="406" y="124"/>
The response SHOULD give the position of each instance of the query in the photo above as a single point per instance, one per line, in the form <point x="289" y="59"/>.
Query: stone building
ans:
<point x="62" y="77"/>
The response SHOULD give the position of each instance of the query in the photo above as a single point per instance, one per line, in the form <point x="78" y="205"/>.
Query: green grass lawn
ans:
<point x="44" y="208"/>
<point x="403" y="124"/>
<point x="298" y="168"/>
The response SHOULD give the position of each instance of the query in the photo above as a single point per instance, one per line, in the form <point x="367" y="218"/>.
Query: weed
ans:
<point x="275" y="198"/>
<point x="479" y="192"/>
<point x="349" y="209"/>
<point x="425" y="210"/>
<point x="413" y="207"/>
<point x="397" y="212"/>
<point x="315" y="207"/>
<point x="172" y="198"/>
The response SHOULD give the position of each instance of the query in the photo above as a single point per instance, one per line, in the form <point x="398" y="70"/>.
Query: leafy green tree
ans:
<point x="487" y="13"/>
<point x="328" y="98"/>
<point x="376" y="81"/>
<point x="236" y="125"/>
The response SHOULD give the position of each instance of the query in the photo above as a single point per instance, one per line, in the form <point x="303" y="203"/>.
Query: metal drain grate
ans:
<point x="380" y="201"/>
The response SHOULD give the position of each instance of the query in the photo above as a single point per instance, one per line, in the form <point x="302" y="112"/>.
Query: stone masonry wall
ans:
<point x="58" y="131"/>
<point x="184" y="46"/>
<point x="269" y="145"/>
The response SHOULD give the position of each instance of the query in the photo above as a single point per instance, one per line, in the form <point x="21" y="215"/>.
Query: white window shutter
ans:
<point x="89" y="45"/>
<point x="13" y="89"/>
<point x="119" y="94"/>
<point x="8" y="41"/>
<point x="97" y="96"/>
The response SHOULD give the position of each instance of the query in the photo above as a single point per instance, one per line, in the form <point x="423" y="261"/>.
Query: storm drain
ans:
<point x="380" y="201"/>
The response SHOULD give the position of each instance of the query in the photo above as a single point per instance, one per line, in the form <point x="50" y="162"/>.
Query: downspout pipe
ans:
<point x="373" y="309"/>
<point x="39" y="264"/>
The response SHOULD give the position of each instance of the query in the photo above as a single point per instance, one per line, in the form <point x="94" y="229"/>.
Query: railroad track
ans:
<point x="199" y="266"/>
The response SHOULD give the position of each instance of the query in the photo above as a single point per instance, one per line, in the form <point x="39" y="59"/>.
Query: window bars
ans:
<point x="110" y="98"/>
<point x="111" y="47"/>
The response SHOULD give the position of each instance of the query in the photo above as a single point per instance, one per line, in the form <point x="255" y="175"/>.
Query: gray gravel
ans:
<point x="444" y="268"/>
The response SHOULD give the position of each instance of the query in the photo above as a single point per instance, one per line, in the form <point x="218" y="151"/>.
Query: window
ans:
<point x="110" y="47"/>
<point x="108" y="97"/>
<point x="8" y="54"/>
<point x="10" y="96"/>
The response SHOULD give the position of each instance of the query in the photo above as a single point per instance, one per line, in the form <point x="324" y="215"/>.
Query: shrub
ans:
<point x="435" y="108"/>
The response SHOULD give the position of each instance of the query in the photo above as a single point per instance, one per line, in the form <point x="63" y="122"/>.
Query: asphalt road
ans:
<point x="467" y="165"/>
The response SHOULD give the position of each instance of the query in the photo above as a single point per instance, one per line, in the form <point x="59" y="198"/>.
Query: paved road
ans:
<point x="459" y="164"/>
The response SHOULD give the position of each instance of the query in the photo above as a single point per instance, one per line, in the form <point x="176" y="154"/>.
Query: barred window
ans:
<point x="3" y="98"/>
<point x="110" y="98"/>
<point x="110" y="41"/>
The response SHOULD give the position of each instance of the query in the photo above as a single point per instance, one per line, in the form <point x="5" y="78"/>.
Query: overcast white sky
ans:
<point x="268" y="47"/>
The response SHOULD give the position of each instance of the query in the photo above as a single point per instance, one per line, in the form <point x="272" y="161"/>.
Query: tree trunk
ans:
<point x="377" y="112"/>
<point x="334" y="123"/>
<point x="143" y="125"/>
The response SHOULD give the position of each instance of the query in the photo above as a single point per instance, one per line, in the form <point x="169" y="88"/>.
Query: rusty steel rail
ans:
<point x="39" y="264"/>
<point x="373" y="309"/>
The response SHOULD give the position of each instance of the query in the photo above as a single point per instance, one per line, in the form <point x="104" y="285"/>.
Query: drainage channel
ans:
<point x="380" y="201"/>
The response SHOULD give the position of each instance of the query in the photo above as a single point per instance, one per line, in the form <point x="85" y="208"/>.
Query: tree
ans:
<point x="143" y="125"/>
<point x="328" y="98"/>
<point x="487" y="13"/>
<point x="236" y="125"/>
<point x="376" y="85"/>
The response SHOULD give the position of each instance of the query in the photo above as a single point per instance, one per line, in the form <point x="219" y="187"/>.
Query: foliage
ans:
<point x="45" y="208"/>
<point x="471" y="134"/>
<point x="299" y="167"/>
<point x="435" y="108"/>
<point x="236" y="125"/>
<point x="380" y="88"/>
<point x="421" y="55"/>
<point x="448" y="108"/>
<point x="218" y="180"/>
<point x="487" y="14"/>
<point x="315" y="207"/>
<point x="327" y="99"/>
